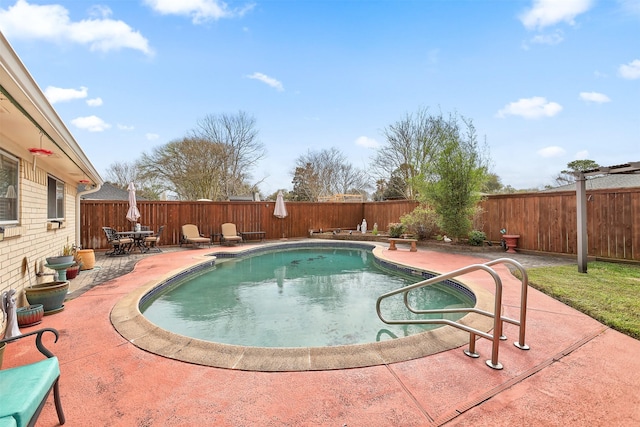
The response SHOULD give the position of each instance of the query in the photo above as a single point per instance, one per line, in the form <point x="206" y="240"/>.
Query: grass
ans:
<point x="608" y="292"/>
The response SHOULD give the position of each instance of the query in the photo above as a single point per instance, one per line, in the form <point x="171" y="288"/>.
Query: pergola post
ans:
<point x="581" y="209"/>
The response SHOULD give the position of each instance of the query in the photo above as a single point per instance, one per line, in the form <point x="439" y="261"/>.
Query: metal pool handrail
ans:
<point x="498" y="320"/>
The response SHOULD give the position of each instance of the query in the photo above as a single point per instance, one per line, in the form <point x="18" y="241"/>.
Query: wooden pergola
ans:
<point x="581" y="203"/>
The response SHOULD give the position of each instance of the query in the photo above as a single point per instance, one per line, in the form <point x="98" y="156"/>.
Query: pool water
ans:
<point x="294" y="298"/>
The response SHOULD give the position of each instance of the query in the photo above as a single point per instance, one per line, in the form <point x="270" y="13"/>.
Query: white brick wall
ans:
<point x="19" y="255"/>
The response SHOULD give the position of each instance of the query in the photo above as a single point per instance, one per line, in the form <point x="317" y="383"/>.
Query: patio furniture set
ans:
<point x="122" y="242"/>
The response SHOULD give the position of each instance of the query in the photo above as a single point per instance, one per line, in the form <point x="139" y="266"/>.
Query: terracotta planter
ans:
<point x="2" y="346"/>
<point x="31" y="315"/>
<point x="512" y="242"/>
<point x="51" y="295"/>
<point x="87" y="258"/>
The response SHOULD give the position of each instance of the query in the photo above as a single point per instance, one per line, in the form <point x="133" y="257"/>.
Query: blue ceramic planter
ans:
<point x="51" y="295"/>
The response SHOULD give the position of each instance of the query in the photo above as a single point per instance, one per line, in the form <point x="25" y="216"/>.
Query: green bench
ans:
<point x="24" y="389"/>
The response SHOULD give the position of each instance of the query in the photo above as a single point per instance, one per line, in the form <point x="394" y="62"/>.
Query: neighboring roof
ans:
<point x="619" y="180"/>
<point x="255" y="197"/>
<point x="109" y="191"/>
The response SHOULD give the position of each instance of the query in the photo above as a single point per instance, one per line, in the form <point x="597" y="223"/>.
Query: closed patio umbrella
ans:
<point x="133" y="213"/>
<point x="281" y="210"/>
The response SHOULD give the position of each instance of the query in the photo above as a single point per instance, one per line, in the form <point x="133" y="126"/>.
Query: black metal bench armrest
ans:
<point x="39" y="344"/>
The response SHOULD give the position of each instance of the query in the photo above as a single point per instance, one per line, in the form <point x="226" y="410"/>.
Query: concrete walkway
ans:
<point x="577" y="372"/>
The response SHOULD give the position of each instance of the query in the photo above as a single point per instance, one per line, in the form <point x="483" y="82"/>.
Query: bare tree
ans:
<point x="326" y="172"/>
<point x="121" y="174"/>
<point x="412" y="144"/>
<point x="193" y="168"/>
<point x="238" y="135"/>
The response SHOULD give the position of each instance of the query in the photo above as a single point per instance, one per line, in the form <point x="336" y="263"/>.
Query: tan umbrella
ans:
<point x="133" y="213"/>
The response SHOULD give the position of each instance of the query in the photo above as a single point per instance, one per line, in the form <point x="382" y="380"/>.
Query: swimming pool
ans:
<point x="300" y="297"/>
<point x="134" y="327"/>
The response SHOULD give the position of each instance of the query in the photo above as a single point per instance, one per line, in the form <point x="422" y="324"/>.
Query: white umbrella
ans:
<point x="280" y="210"/>
<point x="133" y="213"/>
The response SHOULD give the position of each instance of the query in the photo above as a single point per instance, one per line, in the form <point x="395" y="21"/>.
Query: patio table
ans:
<point x="138" y="238"/>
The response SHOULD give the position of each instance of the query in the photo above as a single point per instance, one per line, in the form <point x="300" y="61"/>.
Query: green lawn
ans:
<point x="609" y="292"/>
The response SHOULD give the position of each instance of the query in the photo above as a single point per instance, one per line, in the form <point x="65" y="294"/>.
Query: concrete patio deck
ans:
<point x="577" y="372"/>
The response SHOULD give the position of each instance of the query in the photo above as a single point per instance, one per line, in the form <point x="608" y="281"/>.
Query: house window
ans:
<point x="8" y="189"/>
<point x="55" y="199"/>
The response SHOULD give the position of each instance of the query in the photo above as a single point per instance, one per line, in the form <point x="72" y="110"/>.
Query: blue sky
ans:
<point x="544" y="81"/>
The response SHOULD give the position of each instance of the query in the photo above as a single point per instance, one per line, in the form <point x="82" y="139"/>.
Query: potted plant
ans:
<point x="65" y="257"/>
<point x="73" y="271"/>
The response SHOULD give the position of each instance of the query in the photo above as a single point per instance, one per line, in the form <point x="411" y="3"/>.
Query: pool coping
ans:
<point x="127" y="319"/>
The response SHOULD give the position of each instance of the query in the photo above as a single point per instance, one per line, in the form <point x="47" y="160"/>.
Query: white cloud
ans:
<point x="58" y="94"/>
<point x="125" y="127"/>
<point x="52" y="23"/>
<point x="596" y="97"/>
<point x="151" y="136"/>
<point x="267" y="80"/>
<point x="366" y="142"/>
<point x="544" y="13"/>
<point x="199" y="10"/>
<point x="549" y="39"/>
<point x="582" y="155"/>
<point x="631" y="70"/>
<point x="95" y="102"/>
<point x="530" y="108"/>
<point x="91" y="123"/>
<point x="552" y="151"/>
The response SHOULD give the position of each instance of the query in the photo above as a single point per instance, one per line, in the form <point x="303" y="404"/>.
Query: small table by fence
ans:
<point x="393" y="241"/>
<point x="252" y="235"/>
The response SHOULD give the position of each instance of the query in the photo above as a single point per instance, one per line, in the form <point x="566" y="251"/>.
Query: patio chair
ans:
<point x="190" y="234"/>
<point x="121" y="245"/>
<point x="229" y="234"/>
<point x="151" y="242"/>
<point x="25" y="388"/>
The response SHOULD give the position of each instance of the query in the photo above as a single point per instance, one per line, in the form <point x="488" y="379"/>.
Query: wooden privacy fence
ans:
<point x="248" y="216"/>
<point x="547" y="222"/>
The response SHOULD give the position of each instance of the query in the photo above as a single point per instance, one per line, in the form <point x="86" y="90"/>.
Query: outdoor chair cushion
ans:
<point x="191" y="234"/>
<point x="24" y="388"/>
<point x="229" y="233"/>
